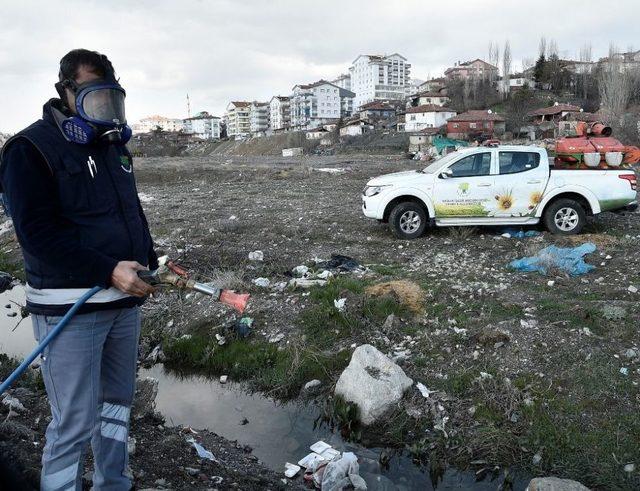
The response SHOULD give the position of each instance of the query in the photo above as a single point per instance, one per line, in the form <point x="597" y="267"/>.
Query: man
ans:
<point x="68" y="180"/>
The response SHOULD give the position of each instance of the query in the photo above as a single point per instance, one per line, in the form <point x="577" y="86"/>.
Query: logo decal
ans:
<point x="125" y="163"/>
<point x="93" y="170"/>
<point x="463" y="189"/>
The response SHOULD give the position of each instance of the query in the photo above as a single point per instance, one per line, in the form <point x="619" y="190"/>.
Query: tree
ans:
<point x="615" y="86"/>
<point x="506" y="68"/>
<point x="539" y="69"/>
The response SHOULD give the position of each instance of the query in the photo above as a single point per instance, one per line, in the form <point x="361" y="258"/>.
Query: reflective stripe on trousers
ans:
<point x="89" y="374"/>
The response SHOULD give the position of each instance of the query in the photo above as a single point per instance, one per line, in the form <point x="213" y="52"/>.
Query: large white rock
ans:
<point x="555" y="484"/>
<point x="373" y="382"/>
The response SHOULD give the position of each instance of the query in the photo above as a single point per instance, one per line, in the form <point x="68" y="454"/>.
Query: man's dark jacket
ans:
<point x="75" y="210"/>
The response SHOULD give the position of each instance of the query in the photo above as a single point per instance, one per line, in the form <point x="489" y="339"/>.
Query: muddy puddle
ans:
<point x="276" y="432"/>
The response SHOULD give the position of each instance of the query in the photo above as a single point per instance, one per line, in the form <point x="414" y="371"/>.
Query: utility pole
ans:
<point x="188" y="107"/>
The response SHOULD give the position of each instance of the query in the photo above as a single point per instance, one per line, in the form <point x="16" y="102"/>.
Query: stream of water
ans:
<point x="277" y="432"/>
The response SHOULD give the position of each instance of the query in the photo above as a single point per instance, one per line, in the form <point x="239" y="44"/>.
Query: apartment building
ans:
<point x="379" y="78"/>
<point x="343" y="81"/>
<point x="258" y="117"/>
<point x="427" y="116"/>
<point x="471" y="69"/>
<point x="279" y="113"/>
<point x="147" y="125"/>
<point x="237" y="118"/>
<point x="203" y="125"/>
<point x="315" y="104"/>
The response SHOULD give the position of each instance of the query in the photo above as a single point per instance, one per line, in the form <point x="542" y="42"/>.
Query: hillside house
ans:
<point x="426" y="116"/>
<point x="475" y="124"/>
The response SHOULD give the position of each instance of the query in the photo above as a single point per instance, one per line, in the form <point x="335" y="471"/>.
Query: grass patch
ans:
<point x="386" y="269"/>
<point x="279" y="371"/>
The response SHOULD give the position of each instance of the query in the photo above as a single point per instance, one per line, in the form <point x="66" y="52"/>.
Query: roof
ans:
<point x="427" y="93"/>
<point x="202" y="115"/>
<point x="476" y="115"/>
<point x="240" y="103"/>
<point x="379" y="57"/>
<point x="429" y="131"/>
<point x="319" y="128"/>
<point x="280" y="97"/>
<point x="430" y="108"/>
<point x="555" y="109"/>
<point x="377" y="105"/>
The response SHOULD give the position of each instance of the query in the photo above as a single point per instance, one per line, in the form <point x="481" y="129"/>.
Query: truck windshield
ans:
<point x="437" y="164"/>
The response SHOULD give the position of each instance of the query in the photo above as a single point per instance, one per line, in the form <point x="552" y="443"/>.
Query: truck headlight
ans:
<point x="373" y="190"/>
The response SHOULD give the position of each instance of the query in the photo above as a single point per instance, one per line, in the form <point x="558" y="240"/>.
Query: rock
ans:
<point x="262" y="282"/>
<point x="256" y="255"/>
<point x="306" y="283"/>
<point x="300" y="270"/>
<point x="131" y="445"/>
<point x="389" y="322"/>
<point x="312" y="384"/>
<point x="613" y="312"/>
<point x="551" y="283"/>
<point x="373" y="382"/>
<point x="145" y="399"/>
<point x="631" y="353"/>
<point x="156" y="356"/>
<point x="224" y="379"/>
<point x="537" y="458"/>
<point x="12" y="403"/>
<point x="490" y="336"/>
<point x="555" y="484"/>
<point x="160" y="482"/>
<point x="192" y="471"/>
<point x="629" y="467"/>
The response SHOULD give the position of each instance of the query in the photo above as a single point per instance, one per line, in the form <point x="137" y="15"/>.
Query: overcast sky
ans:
<point x="220" y="50"/>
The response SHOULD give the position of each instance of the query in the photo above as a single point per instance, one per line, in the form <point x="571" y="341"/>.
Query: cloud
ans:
<point x="220" y="50"/>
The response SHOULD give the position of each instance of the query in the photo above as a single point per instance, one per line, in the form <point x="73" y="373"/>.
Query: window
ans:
<point x="413" y="117"/>
<point x="514" y="162"/>
<point x="478" y="164"/>
<point x="455" y="125"/>
<point x="473" y="125"/>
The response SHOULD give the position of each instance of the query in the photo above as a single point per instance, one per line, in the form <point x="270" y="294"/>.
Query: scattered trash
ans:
<point x="131" y="445"/>
<point x="145" y="198"/>
<point x="405" y="292"/>
<point x="325" y="275"/>
<point x="339" y="304"/>
<point x="311" y="460"/>
<point x="312" y="384"/>
<point x="632" y="289"/>
<point x="331" y="170"/>
<point x="537" y="458"/>
<point x="342" y="473"/>
<point x="276" y="338"/>
<point x="341" y="263"/>
<point x="243" y="326"/>
<point x="300" y="271"/>
<point x="223" y="379"/>
<point x="306" y="283"/>
<point x="12" y="403"/>
<point x="389" y="322"/>
<point x="551" y="283"/>
<point x="624" y="371"/>
<point x="262" y="282"/>
<point x="202" y="452"/>
<point x="569" y="260"/>
<point x="221" y="339"/>
<point x="156" y="355"/>
<point x="290" y="470"/>
<point x="509" y="233"/>
<point x="629" y="468"/>
<point x="319" y="447"/>
<point x="423" y="390"/>
<point x="255" y="255"/>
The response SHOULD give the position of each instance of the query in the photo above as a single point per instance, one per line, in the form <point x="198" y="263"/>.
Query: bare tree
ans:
<point x="494" y="57"/>
<point x="615" y="85"/>
<point x="585" y="71"/>
<point x="553" y="48"/>
<point x="542" y="47"/>
<point x="506" y="68"/>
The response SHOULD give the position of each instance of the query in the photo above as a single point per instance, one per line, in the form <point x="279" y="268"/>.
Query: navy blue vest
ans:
<point x="96" y="192"/>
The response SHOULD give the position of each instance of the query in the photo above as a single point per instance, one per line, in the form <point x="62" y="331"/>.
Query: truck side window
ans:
<point x="478" y="164"/>
<point x="514" y="162"/>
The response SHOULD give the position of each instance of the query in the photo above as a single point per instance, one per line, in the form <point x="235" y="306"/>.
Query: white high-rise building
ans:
<point x="258" y="117"/>
<point x="379" y="78"/>
<point x="203" y="125"/>
<point x="237" y="119"/>
<point x="152" y="123"/>
<point x="343" y="81"/>
<point x="319" y="103"/>
<point x="279" y="113"/>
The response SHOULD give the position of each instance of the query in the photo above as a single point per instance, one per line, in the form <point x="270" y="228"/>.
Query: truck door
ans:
<point x="519" y="184"/>
<point x="465" y="187"/>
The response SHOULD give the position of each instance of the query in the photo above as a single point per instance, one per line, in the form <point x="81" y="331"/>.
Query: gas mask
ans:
<point x="99" y="106"/>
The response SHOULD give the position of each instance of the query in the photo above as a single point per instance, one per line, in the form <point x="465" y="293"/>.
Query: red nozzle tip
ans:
<point x="236" y="300"/>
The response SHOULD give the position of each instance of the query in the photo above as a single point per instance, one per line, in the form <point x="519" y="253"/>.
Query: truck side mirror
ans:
<point x="445" y="174"/>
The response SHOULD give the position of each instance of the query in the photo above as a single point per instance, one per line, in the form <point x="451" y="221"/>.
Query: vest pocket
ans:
<point x="72" y="187"/>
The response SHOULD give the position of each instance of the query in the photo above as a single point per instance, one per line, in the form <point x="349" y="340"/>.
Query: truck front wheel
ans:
<point x="565" y="217"/>
<point x="408" y="220"/>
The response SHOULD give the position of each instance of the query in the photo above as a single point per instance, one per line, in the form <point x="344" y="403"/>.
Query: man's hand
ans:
<point x="125" y="278"/>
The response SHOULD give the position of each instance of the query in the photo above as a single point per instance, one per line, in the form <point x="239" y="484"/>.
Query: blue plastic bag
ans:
<point x="520" y="234"/>
<point x="569" y="260"/>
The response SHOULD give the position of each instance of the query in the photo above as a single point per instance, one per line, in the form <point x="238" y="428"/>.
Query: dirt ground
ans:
<point x="540" y="372"/>
<point x="525" y="370"/>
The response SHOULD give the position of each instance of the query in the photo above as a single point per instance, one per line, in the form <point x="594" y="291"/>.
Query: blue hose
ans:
<point x="48" y="338"/>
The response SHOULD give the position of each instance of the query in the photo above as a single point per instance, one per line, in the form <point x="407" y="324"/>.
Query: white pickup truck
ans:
<point x="502" y="185"/>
